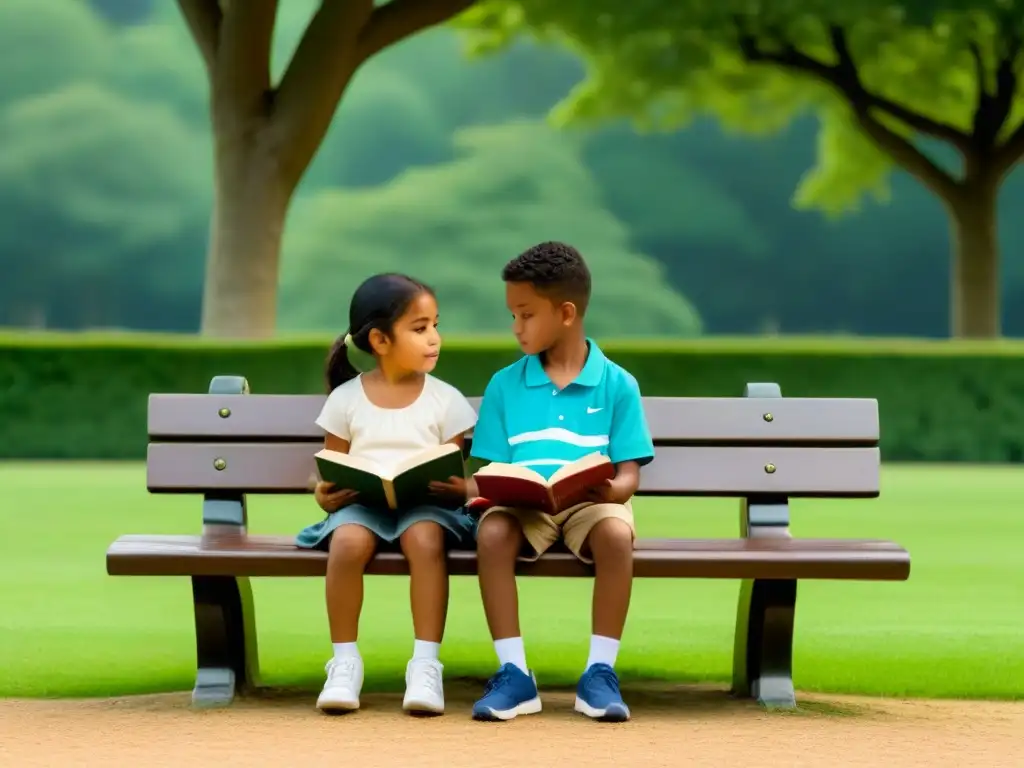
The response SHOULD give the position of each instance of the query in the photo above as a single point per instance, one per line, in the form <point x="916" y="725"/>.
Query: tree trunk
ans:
<point x="250" y="204"/>
<point x="266" y="136"/>
<point x="975" y="291"/>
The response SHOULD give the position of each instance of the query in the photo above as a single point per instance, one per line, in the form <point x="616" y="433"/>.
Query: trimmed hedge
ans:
<point x="65" y="396"/>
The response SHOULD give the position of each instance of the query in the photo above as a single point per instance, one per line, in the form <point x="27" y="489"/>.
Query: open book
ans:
<point x="511" y="485"/>
<point x="402" y="486"/>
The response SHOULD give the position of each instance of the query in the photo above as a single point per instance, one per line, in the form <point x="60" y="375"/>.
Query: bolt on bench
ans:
<point x="762" y="448"/>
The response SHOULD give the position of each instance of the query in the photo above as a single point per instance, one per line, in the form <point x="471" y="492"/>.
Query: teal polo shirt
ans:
<point x="525" y="419"/>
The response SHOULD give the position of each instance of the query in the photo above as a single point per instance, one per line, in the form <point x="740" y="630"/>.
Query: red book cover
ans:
<point x="575" y="488"/>
<point x="509" y="485"/>
<point x="525" y="493"/>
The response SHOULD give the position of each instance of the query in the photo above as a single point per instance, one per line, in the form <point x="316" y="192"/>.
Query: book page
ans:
<point x="348" y="460"/>
<point x="422" y="457"/>
<point x="497" y="469"/>
<point x="588" y="461"/>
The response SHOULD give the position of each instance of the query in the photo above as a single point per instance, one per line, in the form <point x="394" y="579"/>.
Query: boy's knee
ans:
<point x="499" y="533"/>
<point x="611" y="538"/>
<point x="423" y="540"/>
<point x="352" y="545"/>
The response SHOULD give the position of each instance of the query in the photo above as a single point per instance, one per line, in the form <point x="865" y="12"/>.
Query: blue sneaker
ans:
<point x="598" y="697"/>
<point x="509" y="693"/>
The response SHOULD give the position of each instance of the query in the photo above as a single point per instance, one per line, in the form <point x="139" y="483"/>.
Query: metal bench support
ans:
<point x="763" y="645"/>
<point x="227" y="657"/>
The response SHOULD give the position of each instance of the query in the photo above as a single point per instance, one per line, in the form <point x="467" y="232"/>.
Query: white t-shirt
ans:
<point x="385" y="436"/>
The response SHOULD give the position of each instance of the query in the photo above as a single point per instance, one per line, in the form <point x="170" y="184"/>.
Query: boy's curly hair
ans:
<point x="554" y="269"/>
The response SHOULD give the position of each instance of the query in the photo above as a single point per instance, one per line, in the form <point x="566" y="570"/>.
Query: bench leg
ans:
<point x="225" y="639"/>
<point x="763" y="648"/>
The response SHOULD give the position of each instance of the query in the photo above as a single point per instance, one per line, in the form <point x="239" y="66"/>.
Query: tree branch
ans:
<point x="317" y="75"/>
<point x="1010" y="151"/>
<point x="993" y="109"/>
<point x="241" y="76"/>
<point x="844" y="78"/>
<point x="401" y="18"/>
<point x="909" y="157"/>
<point x="340" y="37"/>
<point x="203" y="18"/>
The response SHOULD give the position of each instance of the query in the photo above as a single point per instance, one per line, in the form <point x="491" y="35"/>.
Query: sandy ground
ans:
<point x="684" y="726"/>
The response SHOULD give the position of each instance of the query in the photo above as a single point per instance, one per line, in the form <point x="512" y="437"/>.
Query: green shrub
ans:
<point x="84" y="396"/>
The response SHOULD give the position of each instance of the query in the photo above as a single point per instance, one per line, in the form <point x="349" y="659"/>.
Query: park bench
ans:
<point x="761" y="448"/>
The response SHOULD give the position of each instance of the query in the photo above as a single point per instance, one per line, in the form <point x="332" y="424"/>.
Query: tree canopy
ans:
<point x="909" y="67"/>
<point x="887" y="81"/>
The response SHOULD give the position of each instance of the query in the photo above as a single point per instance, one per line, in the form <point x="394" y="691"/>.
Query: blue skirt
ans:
<point x="389" y="525"/>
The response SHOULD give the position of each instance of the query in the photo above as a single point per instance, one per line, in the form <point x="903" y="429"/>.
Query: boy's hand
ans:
<point x="456" y="487"/>
<point x="617" y="490"/>
<point x="332" y="499"/>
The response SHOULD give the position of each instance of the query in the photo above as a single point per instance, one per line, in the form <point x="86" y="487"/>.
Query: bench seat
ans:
<point x="768" y="558"/>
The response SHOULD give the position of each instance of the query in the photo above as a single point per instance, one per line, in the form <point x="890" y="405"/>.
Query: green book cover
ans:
<point x="362" y="479"/>
<point x="406" y="485"/>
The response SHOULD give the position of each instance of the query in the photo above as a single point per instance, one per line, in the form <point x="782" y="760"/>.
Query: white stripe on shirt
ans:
<point x="557" y="434"/>
<point x="542" y="463"/>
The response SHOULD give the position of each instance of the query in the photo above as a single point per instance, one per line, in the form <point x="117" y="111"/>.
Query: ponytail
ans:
<point x="339" y="368"/>
<point x="376" y="304"/>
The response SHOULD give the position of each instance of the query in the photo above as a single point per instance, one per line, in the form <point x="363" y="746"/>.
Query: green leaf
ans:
<point x="848" y="166"/>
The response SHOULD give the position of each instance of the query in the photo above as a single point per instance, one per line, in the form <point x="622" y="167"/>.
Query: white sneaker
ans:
<point x="344" y="683"/>
<point x="424" y="691"/>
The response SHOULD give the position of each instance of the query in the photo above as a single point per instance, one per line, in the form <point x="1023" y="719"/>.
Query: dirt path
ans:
<point x="679" y="727"/>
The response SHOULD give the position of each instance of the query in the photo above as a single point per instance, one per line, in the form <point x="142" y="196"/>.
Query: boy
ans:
<point x="563" y="400"/>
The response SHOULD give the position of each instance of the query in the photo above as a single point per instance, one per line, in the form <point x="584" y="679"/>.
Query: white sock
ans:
<point x="346" y="651"/>
<point x="603" y="650"/>
<point x="426" y="649"/>
<point x="510" y="650"/>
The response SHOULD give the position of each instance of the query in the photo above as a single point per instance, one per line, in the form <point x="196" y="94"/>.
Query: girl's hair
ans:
<point x="377" y="303"/>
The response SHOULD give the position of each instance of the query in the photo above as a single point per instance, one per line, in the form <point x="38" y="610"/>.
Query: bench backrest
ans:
<point x="742" y="447"/>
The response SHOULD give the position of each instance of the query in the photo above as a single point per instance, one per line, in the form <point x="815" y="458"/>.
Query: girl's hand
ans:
<point x="331" y="499"/>
<point x="456" y="487"/>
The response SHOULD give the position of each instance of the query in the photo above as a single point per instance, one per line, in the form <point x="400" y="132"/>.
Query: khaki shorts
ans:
<point x="572" y="526"/>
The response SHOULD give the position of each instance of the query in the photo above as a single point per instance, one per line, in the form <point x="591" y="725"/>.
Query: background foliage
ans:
<point x="105" y="190"/>
<point x="85" y="397"/>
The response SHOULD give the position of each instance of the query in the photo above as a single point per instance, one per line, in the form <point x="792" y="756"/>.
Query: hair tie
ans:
<point x="354" y="353"/>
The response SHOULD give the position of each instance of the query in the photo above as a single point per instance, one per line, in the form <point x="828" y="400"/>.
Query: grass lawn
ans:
<point x="955" y="629"/>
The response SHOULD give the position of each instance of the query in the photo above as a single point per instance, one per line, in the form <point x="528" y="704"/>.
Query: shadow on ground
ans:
<point x="645" y="700"/>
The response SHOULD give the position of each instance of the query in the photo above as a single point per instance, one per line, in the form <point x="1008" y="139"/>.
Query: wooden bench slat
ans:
<point x="716" y="420"/>
<point x="776" y="558"/>
<point x="682" y="471"/>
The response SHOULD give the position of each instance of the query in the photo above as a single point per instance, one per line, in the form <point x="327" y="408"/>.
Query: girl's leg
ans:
<point x="423" y="545"/>
<point x="352" y="546"/>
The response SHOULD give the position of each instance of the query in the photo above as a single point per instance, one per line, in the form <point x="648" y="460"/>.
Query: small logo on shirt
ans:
<point x="593" y="410"/>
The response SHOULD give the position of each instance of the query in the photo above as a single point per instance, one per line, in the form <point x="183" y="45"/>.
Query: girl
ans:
<point x="394" y="410"/>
